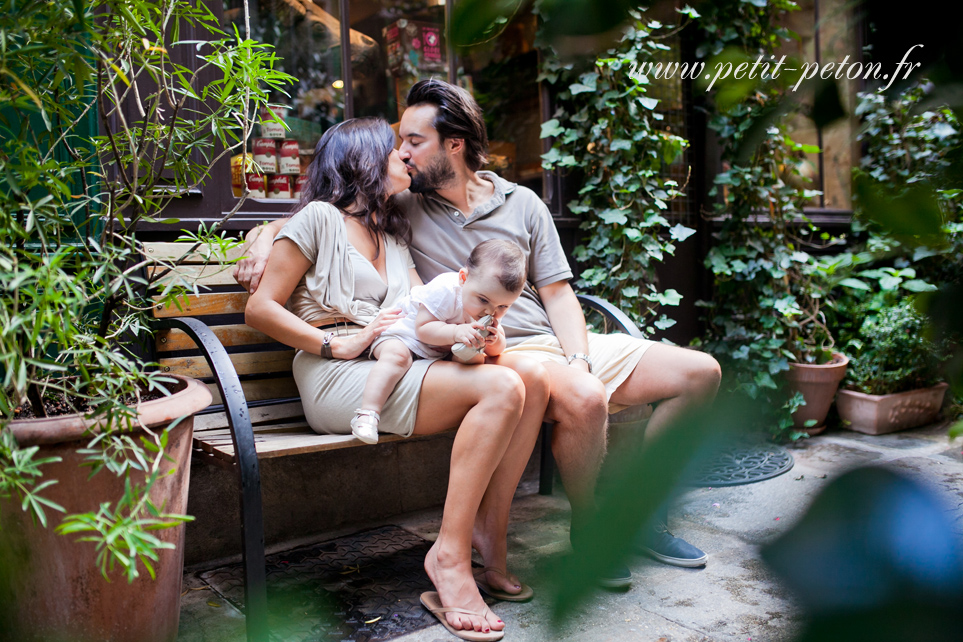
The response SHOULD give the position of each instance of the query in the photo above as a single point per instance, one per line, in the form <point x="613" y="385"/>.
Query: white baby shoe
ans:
<point x="364" y="426"/>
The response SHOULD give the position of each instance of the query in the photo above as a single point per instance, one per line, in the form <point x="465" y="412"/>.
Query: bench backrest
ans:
<point x="263" y="364"/>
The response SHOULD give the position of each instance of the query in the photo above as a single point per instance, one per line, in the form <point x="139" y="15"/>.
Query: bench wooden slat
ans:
<point x="280" y="445"/>
<point x="173" y="251"/>
<point x="244" y="363"/>
<point x="263" y="414"/>
<point x="268" y="429"/>
<point x="213" y="274"/>
<point x="261" y="389"/>
<point x="195" y="305"/>
<point x="229" y="335"/>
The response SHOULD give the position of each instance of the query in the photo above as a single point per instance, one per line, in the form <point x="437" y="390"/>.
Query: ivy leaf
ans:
<point x="551" y="128"/>
<point x="919" y="285"/>
<point x="632" y="234"/>
<point x="620" y="143"/>
<point x="648" y="103"/>
<point x="680" y="232"/>
<point x="856" y="284"/>
<point x="664" y="323"/>
<point x="764" y="379"/>
<point x="889" y="282"/>
<point x="613" y="217"/>
<point x="631" y="292"/>
<point x="669" y="297"/>
<point x="689" y="11"/>
<point x="579" y="88"/>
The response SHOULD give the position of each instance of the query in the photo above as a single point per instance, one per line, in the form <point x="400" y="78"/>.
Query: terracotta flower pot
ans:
<point x="818" y="384"/>
<point x="56" y="586"/>
<point x="880" y="414"/>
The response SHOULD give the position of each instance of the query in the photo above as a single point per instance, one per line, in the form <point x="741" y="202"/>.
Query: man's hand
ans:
<point x="248" y="271"/>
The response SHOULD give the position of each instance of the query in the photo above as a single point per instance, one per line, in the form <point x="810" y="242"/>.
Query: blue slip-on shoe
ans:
<point x="618" y="578"/>
<point x="657" y="542"/>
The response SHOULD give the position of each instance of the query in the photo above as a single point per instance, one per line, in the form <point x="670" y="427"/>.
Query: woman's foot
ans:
<point x="493" y="549"/>
<point x="456" y="588"/>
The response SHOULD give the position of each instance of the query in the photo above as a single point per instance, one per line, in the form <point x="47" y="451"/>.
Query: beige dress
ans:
<point x="342" y="284"/>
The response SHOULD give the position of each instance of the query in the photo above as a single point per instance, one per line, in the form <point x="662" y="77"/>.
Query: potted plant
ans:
<point x="894" y="381"/>
<point x="108" y="115"/>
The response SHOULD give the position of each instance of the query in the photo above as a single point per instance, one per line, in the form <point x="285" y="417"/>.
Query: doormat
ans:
<point x="360" y="587"/>
<point x="743" y="463"/>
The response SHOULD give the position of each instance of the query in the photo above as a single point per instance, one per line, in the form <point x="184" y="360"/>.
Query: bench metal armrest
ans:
<point x="242" y="434"/>
<point x="612" y="314"/>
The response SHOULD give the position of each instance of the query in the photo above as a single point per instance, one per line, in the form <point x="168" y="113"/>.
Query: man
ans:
<point x="452" y="206"/>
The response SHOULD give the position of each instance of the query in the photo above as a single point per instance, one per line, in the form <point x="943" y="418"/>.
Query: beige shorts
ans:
<point x="614" y="356"/>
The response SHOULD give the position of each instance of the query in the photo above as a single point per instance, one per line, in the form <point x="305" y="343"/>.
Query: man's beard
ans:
<point x="435" y="175"/>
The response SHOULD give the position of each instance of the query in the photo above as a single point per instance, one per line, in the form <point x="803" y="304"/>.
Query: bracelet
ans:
<point x="583" y="357"/>
<point x="326" y="346"/>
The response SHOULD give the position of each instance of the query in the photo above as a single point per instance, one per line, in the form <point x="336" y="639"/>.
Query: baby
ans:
<point x="440" y="314"/>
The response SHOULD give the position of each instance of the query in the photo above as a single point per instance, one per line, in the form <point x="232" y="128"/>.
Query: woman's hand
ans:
<point x="352" y="347"/>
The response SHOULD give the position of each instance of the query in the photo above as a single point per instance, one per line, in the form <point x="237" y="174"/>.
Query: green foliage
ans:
<point x="770" y="293"/>
<point x="909" y="213"/>
<point x="894" y="354"/>
<point x="101" y="128"/>
<point x="608" y="128"/>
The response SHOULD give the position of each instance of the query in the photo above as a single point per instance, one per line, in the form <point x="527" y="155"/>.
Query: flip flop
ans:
<point x="523" y="595"/>
<point x="432" y="602"/>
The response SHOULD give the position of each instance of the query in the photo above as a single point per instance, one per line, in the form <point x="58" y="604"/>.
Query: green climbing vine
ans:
<point x="608" y="129"/>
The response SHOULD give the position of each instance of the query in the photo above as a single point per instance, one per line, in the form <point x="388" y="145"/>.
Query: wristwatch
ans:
<point x="583" y="357"/>
<point x="326" y="346"/>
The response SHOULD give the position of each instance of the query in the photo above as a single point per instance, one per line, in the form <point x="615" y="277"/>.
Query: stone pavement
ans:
<point x="734" y="598"/>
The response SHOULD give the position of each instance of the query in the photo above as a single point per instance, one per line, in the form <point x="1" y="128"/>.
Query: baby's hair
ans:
<point x="506" y="256"/>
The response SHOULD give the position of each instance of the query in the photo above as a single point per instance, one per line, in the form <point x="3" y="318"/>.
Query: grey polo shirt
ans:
<point x="443" y="238"/>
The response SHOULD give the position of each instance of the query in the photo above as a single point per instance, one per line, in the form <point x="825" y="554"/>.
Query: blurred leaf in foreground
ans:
<point x="640" y="479"/>
<point x="877" y="558"/>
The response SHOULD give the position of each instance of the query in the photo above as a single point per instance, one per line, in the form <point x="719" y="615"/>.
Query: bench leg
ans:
<point x="546" y="475"/>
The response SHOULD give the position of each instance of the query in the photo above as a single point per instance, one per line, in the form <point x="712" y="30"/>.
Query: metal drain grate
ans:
<point x="743" y="464"/>
<point x="362" y="587"/>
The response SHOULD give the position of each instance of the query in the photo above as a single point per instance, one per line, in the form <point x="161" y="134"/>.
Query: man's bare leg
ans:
<point x="677" y="378"/>
<point x="579" y="409"/>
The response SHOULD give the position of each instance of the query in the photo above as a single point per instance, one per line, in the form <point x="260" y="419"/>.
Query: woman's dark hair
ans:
<point x="350" y="171"/>
<point x="459" y="116"/>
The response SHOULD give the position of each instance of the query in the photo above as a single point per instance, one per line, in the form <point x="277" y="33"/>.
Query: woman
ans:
<point x="340" y="266"/>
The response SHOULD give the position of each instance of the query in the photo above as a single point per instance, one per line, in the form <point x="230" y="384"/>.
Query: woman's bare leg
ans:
<point x="490" y="536"/>
<point x="394" y="359"/>
<point x="487" y="402"/>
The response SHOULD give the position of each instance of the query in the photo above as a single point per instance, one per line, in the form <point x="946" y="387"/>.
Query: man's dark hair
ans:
<point x="459" y="116"/>
<point x="503" y="256"/>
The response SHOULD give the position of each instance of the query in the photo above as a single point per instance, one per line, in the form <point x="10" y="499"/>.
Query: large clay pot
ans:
<point x="818" y="384"/>
<point x="56" y="586"/>
<point x="880" y="414"/>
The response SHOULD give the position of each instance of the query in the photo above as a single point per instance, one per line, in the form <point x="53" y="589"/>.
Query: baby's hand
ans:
<point x="467" y="334"/>
<point x="495" y="332"/>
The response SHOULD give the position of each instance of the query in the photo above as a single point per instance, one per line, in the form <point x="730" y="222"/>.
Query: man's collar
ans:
<point x="502" y="189"/>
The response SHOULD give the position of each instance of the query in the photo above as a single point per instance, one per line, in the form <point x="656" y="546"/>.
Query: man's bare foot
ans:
<point x="456" y="588"/>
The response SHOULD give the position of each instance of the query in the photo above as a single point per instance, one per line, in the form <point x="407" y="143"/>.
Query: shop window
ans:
<point x="392" y="45"/>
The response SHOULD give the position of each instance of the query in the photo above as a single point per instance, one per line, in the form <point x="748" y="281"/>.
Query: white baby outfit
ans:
<point x="442" y="298"/>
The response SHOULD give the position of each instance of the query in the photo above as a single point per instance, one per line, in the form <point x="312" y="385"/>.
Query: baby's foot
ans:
<point x="364" y="426"/>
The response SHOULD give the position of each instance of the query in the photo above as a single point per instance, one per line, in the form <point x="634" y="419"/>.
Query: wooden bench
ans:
<point x="256" y="412"/>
